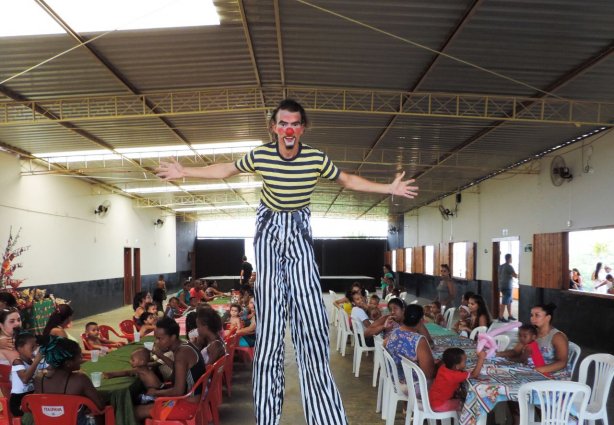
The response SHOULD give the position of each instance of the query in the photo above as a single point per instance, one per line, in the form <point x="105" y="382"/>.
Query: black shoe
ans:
<point x="503" y="320"/>
<point x="511" y="318"/>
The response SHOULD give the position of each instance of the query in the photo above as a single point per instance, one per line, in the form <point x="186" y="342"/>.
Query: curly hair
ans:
<point x="58" y="351"/>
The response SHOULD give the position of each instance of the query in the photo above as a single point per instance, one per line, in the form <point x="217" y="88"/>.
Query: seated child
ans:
<point x="23" y="370"/>
<point x="436" y="313"/>
<point x="149" y="323"/>
<point x="463" y="326"/>
<point x="234" y="321"/>
<point x="428" y="313"/>
<point x="373" y="310"/>
<point x="92" y="334"/>
<point x="450" y="375"/>
<point x="526" y="350"/>
<point x="172" y="308"/>
<point x="193" y="306"/>
<point x="139" y="360"/>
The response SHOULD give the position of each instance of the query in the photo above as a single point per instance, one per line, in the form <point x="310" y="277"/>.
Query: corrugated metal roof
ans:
<point x="563" y="46"/>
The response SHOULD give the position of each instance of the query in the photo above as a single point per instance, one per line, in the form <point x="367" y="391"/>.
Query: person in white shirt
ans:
<point x="359" y="313"/>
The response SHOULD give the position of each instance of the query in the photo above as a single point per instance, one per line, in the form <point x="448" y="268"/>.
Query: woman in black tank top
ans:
<point x="64" y="358"/>
<point x="188" y="365"/>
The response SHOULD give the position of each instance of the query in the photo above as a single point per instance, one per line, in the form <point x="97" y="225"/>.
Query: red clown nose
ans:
<point x="289" y="132"/>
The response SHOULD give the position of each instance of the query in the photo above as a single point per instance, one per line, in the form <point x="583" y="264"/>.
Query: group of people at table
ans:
<point x="45" y="364"/>
<point x="540" y="345"/>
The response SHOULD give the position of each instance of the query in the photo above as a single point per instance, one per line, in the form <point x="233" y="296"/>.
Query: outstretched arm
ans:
<point x="172" y="170"/>
<point x="398" y="187"/>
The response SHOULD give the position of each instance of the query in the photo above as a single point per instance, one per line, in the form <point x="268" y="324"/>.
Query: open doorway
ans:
<point x="502" y="247"/>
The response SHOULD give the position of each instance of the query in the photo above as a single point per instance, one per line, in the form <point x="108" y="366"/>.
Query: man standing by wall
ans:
<point x="506" y="273"/>
<point x="288" y="280"/>
<point x="246" y="272"/>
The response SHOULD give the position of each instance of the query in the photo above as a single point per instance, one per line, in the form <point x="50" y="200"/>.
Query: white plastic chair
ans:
<point x="344" y="331"/>
<point x="448" y="317"/>
<point x="360" y="345"/>
<point x="421" y="407"/>
<point x="339" y="326"/>
<point x="557" y="401"/>
<point x="502" y="342"/>
<point x="333" y="311"/>
<point x="379" y="366"/>
<point x="602" y="380"/>
<point x="474" y="333"/>
<point x="572" y="357"/>
<point x="395" y="392"/>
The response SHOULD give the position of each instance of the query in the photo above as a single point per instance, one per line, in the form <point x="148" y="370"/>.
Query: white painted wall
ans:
<point x="525" y="204"/>
<point x="69" y="243"/>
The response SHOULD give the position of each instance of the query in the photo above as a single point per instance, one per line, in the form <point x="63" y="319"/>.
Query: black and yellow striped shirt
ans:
<point x="287" y="183"/>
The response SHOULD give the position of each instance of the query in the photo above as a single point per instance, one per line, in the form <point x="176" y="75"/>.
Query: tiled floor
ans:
<point x="359" y="397"/>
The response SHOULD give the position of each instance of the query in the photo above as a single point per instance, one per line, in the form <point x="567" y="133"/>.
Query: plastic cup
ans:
<point x="96" y="378"/>
<point x="149" y="345"/>
<point x="95" y="354"/>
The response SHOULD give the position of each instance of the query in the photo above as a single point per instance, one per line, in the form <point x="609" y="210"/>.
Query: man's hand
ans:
<point x="400" y="187"/>
<point x="170" y="170"/>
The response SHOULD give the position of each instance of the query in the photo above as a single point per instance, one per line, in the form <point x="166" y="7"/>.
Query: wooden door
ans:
<point x="496" y="253"/>
<point x="136" y="271"/>
<point x="551" y="260"/>
<point x="128" y="295"/>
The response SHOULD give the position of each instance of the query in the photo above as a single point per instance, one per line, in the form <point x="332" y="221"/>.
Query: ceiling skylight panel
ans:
<point x="26" y="17"/>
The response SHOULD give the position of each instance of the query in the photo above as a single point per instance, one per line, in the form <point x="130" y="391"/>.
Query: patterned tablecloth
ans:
<point x="499" y="382"/>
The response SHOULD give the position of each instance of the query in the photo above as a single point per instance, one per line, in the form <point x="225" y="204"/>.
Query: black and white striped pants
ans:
<point x="288" y="282"/>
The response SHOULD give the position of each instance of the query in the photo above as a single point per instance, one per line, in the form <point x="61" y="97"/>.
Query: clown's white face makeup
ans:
<point x="289" y="129"/>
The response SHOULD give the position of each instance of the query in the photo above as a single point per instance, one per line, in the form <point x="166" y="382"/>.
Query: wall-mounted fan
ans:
<point x="559" y="171"/>
<point x="445" y="212"/>
<point x="102" y="209"/>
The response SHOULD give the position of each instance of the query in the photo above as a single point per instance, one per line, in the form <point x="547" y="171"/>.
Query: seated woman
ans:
<point x="209" y="325"/>
<point x="248" y="333"/>
<point x="184" y="295"/>
<point x="138" y="305"/>
<point x="480" y="316"/>
<point x="411" y="340"/>
<point x="552" y="343"/>
<point x="211" y="292"/>
<point x="60" y="319"/>
<point x="393" y="321"/>
<point x="187" y="364"/>
<point x="64" y="358"/>
<point x="10" y="320"/>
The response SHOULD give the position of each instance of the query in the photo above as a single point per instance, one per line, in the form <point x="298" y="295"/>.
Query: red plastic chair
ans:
<point x="106" y="331"/>
<point x="215" y="389"/>
<point x="5" y="414"/>
<point x="61" y="409"/>
<point x="231" y="344"/>
<point x="183" y="410"/>
<point x="5" y="380"/>
<point x="246" y="353"/>
<point x="127" y="327"/>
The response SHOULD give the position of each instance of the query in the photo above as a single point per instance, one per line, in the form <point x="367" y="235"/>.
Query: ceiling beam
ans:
<point x="109" y="67"/>
<point x="556" y="85"/>
<point x="280" y="45"/>
<point x="462" y="106"/>
<point x="528" y="103"/>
